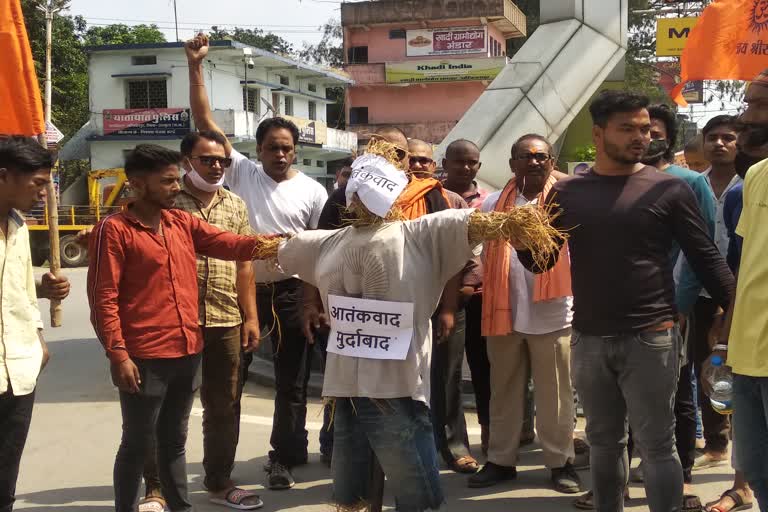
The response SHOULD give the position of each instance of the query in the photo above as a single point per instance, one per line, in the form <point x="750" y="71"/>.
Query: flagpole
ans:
<point x="51" y="201"/>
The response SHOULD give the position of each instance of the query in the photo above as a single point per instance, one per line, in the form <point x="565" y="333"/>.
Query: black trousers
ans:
<point x="445" y="393"/>
<point x="15" y="417"/>
<point x="158" y="413"/>
<point x="477" y="359"/>
<point x="716" y="426"/>
<point x="279" y="306"/>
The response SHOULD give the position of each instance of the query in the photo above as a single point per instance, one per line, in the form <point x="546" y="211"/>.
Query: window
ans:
<point x="143" y="60"/>
<point x="398" y="33"/>
<point x="307" y="162"/>
<point x="147" y="94"/>
<point x="284" y="80"/>
<point x="289" y="105"/>
<point x="357" y="55"/>
<point x="251" y="100"/>
<point x="358" y="115"/>
<point x="312" y="87"/>
<point x="312" y="110"/>
<point x="320" y="163"/>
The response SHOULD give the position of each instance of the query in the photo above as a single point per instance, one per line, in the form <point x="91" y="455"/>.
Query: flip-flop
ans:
<point x="235" y="497"/>
<point x="706" y="461"/>
<point x="737" y="499"/>
<point x="151" y="505"/>
<point x="466" y="464"/>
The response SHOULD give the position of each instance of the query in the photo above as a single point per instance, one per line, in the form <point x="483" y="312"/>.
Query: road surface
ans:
<point x="67" y="464"/>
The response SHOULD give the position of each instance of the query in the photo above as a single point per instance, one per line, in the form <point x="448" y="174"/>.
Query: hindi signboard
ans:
<point x="311" y="132"/>
<point x="456" y="70"/>
<point x="147" y="121"/>
<point x="52" y="134"/>
<point x="371" y="329"/>
<point x="672" y="34"/>
<point x="446" y="41"/>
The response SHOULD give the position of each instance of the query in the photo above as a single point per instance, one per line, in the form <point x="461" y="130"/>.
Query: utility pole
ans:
<point x="176" y="20"/>
<point x="51" y="7"/>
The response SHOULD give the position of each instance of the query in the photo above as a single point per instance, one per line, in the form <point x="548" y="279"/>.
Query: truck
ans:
<point x="103" y="199"/>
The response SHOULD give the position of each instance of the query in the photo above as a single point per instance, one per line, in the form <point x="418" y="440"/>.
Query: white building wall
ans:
<point x="108" y="154"/>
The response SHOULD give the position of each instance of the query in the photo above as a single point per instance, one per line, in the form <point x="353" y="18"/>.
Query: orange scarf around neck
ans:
<point x="413" y="202"/>
<point x="498" y="309"/>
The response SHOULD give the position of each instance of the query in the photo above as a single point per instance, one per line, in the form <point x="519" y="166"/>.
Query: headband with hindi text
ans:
<point x="376" y="182"/>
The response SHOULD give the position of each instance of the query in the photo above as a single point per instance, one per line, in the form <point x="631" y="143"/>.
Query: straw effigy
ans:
<point x="528" y="227"/>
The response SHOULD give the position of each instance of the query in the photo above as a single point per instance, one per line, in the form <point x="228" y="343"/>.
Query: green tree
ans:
<point x="330" y="50"/>
<point x="69" y="98"/>
<point x="254" y="37"/>
<point x="122" y="34"/>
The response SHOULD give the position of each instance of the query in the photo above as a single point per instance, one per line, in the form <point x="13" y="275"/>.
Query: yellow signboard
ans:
<point x="671" y="35"/>
<point x="449" y="70"/>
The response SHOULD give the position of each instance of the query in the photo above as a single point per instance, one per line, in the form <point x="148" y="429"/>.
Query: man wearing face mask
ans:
<point x="225" y="289"/>
<point x="744" y="339"/>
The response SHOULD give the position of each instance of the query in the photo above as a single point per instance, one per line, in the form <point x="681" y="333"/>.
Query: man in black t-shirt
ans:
<point x="623" y="218"/>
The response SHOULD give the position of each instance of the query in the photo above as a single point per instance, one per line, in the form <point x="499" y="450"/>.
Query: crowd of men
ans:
<point x="622" y="319"/>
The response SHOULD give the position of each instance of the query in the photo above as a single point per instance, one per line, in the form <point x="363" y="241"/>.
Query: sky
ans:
<point x="294" y="20"/>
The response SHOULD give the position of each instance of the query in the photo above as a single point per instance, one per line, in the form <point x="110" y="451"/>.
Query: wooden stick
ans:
<point x="53" y="236"/>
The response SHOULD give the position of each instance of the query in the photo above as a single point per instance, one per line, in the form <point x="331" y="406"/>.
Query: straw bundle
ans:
<point x="526" y="227"/>
<point x="362" y="217"/>
<point x="268" y="245"/>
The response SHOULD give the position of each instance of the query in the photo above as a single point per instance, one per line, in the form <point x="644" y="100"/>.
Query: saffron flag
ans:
<point x="21" y="109"/>
<point x="730" y="42"/>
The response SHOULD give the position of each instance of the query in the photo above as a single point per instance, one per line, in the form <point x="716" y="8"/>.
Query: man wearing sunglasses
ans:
<point x="527" y="322"/>
<point x="420" y="160"/>
<point x="280" y="199"/>
<point x="225" y="289"/>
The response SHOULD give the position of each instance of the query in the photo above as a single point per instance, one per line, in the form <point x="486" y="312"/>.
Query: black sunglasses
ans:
<point x="210" y="161"/>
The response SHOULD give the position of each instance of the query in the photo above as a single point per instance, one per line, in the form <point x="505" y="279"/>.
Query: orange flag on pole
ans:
<point x="729" y="42"/>
<point x="21" y="109"/>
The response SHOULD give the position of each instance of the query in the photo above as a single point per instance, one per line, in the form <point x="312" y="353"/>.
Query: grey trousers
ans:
<point x="633" y="377"/>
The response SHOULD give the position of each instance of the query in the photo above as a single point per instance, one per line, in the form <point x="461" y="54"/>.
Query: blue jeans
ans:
<point x="750" y="418"/>
<point x="630" y="376"/>
<point x="400" y="433"/>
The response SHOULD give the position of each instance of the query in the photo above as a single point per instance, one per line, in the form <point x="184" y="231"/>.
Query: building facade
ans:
<point x="421" y="65"/>
<point x="139" y="93"/>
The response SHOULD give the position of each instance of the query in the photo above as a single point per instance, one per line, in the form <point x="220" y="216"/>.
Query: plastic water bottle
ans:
<point x="720" y="380"/>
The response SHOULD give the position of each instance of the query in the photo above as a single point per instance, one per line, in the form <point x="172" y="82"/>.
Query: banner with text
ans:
<point x="446" y="41"/>
<point x="146" y="121"/>
<point x="458" y="70"/>
<point x="672" y="34"/>
<point x="372" y="329"/>
<point x="311" y="132"/>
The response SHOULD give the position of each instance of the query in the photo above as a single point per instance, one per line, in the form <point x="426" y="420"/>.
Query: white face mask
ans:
<point x="200" y="183"/>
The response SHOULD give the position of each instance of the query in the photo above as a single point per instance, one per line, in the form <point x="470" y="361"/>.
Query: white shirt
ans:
<point x="722" y="240"/>
<point x="397" y="261"/>
<point x="20" y="350"/>
<point x="290" y="207"/>
<point x="530" y="317"/>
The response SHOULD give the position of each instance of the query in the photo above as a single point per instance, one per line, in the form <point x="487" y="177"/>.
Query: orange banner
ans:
<point x="730" y="42"/>
<point x="22" y="109"/>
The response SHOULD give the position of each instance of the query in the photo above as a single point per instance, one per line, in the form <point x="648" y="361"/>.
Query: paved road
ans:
<point x="67" y="465"/>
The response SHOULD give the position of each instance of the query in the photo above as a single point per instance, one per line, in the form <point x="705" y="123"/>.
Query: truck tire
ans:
<point x="72" y="254"/>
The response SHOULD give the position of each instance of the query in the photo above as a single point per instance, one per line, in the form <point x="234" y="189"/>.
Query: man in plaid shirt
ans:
<point x="228" y="318"/>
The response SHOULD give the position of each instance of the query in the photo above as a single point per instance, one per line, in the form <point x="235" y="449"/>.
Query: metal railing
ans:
<point x="71" y="215"/>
